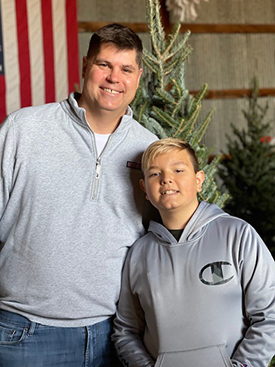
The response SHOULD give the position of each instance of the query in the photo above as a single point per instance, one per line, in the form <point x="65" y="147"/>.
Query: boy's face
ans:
<point x="171" y="183"/>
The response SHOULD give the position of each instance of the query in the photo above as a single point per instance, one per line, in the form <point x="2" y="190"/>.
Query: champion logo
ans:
<point x="134" y="165"/>
<point x="244" y="365"/>
<point x="216" y="273"/>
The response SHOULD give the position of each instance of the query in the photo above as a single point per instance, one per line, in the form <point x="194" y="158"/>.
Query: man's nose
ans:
<point x="113" y="76"/>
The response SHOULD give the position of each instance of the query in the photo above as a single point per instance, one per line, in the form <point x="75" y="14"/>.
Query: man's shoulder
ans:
<point x="34" y="116"/>
<point x="32" y="111"/>
<point x="141" y="131"/>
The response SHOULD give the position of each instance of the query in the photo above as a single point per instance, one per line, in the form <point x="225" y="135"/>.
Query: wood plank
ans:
<point x="228" y="28"/>
<point x="235" y="93"/>
<point x="94" y="26"/>
<point x="194" y="28"/>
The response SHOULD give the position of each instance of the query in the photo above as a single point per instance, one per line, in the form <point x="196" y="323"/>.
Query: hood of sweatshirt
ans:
<point x="194" y="229"/>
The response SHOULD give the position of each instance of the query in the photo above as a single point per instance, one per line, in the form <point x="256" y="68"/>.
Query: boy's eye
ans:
<point x="179" y="170"/>
<point x="154" y="174"/>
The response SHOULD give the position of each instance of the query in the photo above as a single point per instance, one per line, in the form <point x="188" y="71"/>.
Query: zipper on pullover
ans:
<point x="97" y="175"/>
<point x="98" y="168"/>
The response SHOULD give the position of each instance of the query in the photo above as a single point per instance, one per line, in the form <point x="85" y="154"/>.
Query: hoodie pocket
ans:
<point x="209" y="356"/>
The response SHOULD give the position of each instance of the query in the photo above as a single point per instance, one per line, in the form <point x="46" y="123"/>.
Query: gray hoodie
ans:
<point x="206" y="300"/>
<point x="67" y="218"/>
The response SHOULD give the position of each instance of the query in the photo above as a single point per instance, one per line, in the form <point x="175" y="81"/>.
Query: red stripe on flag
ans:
<point x="48" y="48"/>
<point x="23" y="53"/>
<point x="3" y="112"/>
<point x="72" y="44"/>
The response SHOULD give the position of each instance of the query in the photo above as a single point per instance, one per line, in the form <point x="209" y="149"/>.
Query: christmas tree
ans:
<point x="248" y="171"/>
<point x="164" y="105"/>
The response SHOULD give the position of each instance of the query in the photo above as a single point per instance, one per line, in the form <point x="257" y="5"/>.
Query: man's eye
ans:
<point x="103" y="65"/>
<point x="126" y="70"/>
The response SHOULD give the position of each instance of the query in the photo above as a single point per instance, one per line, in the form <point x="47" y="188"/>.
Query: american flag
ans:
<point x="38" y="52"/>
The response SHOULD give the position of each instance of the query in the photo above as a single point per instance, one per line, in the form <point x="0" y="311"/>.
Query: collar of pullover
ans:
<point x="78" y="114"/>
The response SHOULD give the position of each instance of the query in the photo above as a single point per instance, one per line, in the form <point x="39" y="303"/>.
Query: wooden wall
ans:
<point x="232" y="42"/>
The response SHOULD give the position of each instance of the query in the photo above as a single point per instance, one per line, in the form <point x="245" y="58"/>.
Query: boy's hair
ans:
<point x="121" y="36"/>
<point x="166" y="145"/>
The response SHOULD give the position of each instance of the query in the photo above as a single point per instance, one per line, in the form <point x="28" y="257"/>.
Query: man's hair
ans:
<point x="121" y="36"/>
<point x="167" y="145"/>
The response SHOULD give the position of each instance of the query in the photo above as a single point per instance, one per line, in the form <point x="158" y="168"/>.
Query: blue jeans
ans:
<point x="28" y="344"/>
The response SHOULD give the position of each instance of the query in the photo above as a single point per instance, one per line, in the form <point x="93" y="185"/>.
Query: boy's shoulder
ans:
<point x="142" y="244"/>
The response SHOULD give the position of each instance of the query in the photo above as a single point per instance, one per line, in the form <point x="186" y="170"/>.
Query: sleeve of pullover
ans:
<point x="129" y="326"/>
<point x="257" y="269"/>
<point x="6" y="162"/>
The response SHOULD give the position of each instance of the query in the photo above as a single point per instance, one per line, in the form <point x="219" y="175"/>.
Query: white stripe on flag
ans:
<point x="10" y="56"/>
<point x="60" y="49"/>
<point x="47" y="60"/>
<point x="36" y="52"/>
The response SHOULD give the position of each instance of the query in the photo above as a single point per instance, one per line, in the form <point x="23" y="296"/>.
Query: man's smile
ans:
<point x="110" y="90"/>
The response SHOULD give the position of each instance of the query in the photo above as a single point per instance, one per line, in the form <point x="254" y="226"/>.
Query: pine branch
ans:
<point x="164" y="105"/>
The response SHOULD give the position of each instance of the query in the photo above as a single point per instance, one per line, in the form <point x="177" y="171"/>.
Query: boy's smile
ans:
<point x="171" y="184"/>
<point x="169" y="192"/>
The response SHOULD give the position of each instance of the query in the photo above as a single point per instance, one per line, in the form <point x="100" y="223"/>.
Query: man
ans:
<point x="69" y="211"/>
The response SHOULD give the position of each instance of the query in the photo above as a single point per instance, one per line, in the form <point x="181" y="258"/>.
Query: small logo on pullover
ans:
<point x="134" y="165"/>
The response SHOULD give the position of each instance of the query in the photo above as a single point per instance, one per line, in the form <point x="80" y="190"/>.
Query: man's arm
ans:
<point x="258" y="284"/>
<point x="6" y="162"/>
<point x="129" y="326"/>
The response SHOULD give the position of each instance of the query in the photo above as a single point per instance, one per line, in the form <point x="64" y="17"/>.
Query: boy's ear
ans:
<point x="200" y="177"/>
<point x="142" y="186"/>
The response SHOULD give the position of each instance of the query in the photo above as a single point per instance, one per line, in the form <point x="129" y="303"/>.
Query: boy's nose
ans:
<point x="165" y="181"/>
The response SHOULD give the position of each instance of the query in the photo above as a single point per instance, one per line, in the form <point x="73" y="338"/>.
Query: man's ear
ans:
<point x="142" y="186"/>
<point x="84" y="66"/>
<point x="139" y="75"/>
<point x="200" y="177"/>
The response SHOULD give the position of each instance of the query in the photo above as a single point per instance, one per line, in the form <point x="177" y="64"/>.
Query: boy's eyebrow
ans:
<point x="177" y="163"/>
<point x="152" y="167"/>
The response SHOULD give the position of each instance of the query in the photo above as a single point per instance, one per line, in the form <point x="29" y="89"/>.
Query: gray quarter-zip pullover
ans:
<point x="67" y="217"/>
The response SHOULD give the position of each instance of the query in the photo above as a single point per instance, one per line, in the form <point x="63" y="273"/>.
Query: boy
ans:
<point x="199" y="289"/>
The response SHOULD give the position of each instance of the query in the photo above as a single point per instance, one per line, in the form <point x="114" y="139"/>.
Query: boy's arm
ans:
<point x="129" y="326"/>
<point x="258" y="284"/>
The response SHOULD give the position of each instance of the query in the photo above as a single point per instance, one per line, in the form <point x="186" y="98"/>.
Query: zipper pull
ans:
<point x="97" y="173"/>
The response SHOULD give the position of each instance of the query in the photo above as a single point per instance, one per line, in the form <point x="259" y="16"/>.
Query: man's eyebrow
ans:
<point x="129" y="66"/>
<point x="101" y="60"/>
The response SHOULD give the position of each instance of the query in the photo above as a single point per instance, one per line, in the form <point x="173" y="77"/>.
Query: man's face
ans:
<point x="111" y="79"/>
<point x="171" y="183"/>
